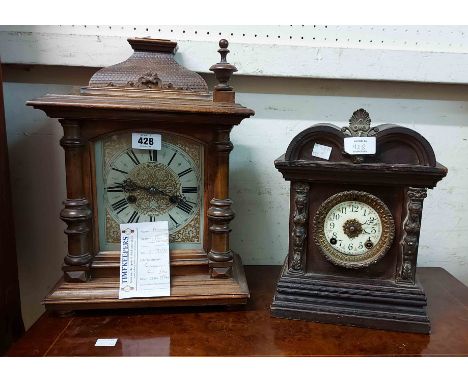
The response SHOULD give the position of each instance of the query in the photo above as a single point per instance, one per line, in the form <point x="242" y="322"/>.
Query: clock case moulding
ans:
<point x="385" y="294"/>
<point x="149" y="92"/>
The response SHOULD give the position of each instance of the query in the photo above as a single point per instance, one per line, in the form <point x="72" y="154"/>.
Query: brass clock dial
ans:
<point x="353" y="229"/>
<point x="152" y="185"/>
<point x="139" y="185"/>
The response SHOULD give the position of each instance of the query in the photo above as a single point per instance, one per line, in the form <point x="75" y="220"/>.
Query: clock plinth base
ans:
<point x="191" y="285"/>
<point x="377" y="305"/>
<point x="76" y="274"/>
<point x="221" y="272"/>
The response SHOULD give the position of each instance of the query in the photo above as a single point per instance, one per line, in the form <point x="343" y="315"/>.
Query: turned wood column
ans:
<point x="220" y="213"/>
<point x="76" y="212"/>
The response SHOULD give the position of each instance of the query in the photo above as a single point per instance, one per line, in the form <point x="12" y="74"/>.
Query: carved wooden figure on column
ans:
<point x="186" y="182"/>
<point x="354" y="226"/>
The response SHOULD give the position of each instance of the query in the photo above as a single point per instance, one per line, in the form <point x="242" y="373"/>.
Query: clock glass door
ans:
<point x="135" y="185"/>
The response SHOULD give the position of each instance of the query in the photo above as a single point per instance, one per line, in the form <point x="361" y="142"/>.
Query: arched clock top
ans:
<point x="395" y="145"/>
<point x="326" y="134"/>
<point x="402" y="155"/>
<point x="401" y="145"/>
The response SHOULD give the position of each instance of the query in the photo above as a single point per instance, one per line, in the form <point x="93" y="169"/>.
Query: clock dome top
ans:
<point x="151" y="66"/>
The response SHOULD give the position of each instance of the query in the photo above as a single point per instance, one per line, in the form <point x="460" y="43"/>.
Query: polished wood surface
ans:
<point x="249" y="330"/>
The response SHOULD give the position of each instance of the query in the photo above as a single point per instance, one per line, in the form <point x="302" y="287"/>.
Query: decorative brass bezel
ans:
<point x="354" y="261"/>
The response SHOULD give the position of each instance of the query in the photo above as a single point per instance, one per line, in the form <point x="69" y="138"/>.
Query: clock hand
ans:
<point x="129" y="185"/>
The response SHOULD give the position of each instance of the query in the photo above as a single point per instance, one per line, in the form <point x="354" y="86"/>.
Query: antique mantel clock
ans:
<point x="184" y="183"/>
<point x="354" y="227"/>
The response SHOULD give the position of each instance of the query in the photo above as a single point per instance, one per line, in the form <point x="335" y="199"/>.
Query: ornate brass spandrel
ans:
<point x="299" y="230"/>
<point x="374" y="254"/>
<point x="410" y="240"/>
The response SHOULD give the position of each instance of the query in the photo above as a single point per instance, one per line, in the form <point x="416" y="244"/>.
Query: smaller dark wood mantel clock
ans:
<point x="354" y="227"/>
<point x="186" y="182"/>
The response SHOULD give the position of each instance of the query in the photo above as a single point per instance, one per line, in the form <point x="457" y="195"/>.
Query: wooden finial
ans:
<point x="223" y="70"/>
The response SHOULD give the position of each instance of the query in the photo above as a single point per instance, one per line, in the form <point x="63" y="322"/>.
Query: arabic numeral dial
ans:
<point x="352" y="227"/>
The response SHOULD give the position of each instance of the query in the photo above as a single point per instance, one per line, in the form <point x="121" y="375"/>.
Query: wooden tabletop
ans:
<point x="249" y="330"/>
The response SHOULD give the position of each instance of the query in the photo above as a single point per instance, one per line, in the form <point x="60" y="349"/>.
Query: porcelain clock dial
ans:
<point x="353" y="229"/>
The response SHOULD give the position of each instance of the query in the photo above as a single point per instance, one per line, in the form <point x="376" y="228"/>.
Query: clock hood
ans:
<point x="151" y="86"/>
<point x="151" y="66"/>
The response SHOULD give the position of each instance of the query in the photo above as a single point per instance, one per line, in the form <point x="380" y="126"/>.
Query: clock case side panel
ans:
<point x="96" y="130"/>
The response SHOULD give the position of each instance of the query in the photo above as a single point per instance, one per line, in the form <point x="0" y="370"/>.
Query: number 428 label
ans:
<point x="146" y="141"/>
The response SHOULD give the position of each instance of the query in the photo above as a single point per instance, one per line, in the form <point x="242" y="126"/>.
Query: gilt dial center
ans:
<point x="156" y="183"/>
<point x="352" y="228"/>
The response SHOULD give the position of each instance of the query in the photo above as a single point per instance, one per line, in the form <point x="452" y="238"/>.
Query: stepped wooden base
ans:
<point x="378" y="305"/>
<point x="191" y="284"/>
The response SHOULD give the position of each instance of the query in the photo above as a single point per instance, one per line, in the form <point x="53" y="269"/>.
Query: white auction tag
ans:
<point x="144" y="260"/>
<point x="146" y="141"/>
<point x="106" y="341"/>
<point x="321" y="151"/>
<point x="360" y="145"/>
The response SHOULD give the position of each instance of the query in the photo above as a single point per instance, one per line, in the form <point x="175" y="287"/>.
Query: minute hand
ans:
<point x="153" y="190"/>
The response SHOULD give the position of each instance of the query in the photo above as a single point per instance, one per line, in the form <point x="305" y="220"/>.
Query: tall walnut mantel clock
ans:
<point x="184" y="183"/>
<point x="354" y="227"/>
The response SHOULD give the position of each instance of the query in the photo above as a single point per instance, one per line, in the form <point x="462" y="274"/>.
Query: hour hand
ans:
<point x="176" y="199"/>
<point x="129" y="185"/>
